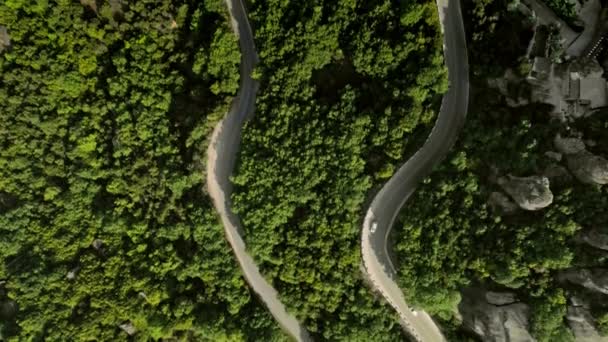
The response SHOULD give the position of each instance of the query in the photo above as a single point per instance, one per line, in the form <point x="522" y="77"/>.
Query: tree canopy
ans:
<point x="449" y="237"/>
<point x="105" y="109"/>
<point x="346" y="88"/>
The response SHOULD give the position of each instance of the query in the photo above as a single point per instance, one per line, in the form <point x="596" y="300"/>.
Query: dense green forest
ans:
<point x="346" y="88"/>
<point x="449" y="237"/>
<point x="105" y="109"/>
<point x="105" y="227"/>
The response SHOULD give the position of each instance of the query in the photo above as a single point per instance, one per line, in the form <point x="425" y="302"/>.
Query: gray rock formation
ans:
<point x="97" y="244"/>
<point x="569" y="145"/>
<point x="73" y="273"/>
<point x="582" y="325"/>
<point x="594" y="237"/>
<point x="129" y="328"/>
<point x="554" y="155"/>
<point x="493" y="323"/>
<point x="5" y="39"/>
<point x="588" y="168"/>
<point x="595" y="280"/>
<point x="530" y="193"/>
<point x="590" y="143"/>
<point x="501" y="203"/>
<point x="500" y="298"/>
<point x="578" y="301"/>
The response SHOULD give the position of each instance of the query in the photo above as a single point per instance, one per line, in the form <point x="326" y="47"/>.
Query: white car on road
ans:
<point x="374" y="226"/>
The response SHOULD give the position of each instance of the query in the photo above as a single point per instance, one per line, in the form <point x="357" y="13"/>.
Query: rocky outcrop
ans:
<point x="586" y="167"/>
<point x="595" y="280"/>
<point x="582" y="325"/>
<point x="530" y="193"/>
<point x="570" y="145"/>
<point x="73" y="273"/>
<point x="594" y="237"/>
<point x="493" y="323"/>
<point x="501" y="203"/>
<point x="129" y="328"/>
<point x="5" y="39"/>
<point x="500" y="298"/>
<point x="99" y="247"/>
<point x="589" y="168"/>
<point x="554" y="155"/>
<point x="92" y="4"/>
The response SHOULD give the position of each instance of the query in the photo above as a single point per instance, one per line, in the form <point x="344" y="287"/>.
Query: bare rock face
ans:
<point x="501" y="203"/>
<point x="500" y="298"/>
<point x="586" y="167"/>
<point x="569" y="145"/>
<point x="589" y="168"/>
<point x="554" y="155"/>
<point x="582" y="325"/>
<point x="97" y="244"/>
<point x="530" y="193"/>
<point x="595" y="280"/>
<point x="73" y="273"/>
<point x="590" y="143"/>
<point x="129" y="328"/>
<point x="495" y="323"/>
<point x="5" y="39"/>
<point x="595" y="238"/>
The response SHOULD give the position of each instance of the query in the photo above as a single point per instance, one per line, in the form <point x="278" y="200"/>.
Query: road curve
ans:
<point x="393" y="195"/>
<point x="221" y="157"/>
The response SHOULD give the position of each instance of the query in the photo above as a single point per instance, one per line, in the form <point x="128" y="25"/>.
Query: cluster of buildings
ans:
<point x="570" y="69"/>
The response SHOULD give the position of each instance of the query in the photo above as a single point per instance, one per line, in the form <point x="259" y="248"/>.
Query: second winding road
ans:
<point x="393" y="195"/>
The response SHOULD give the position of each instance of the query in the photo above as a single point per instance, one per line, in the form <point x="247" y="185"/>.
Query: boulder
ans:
<point x="595" y="238"/>
<point x="501" y="203"/>
<point x="5" y="39"/>
<point x="97" y="245"/>
<point x="554" y="155"/>
<point x="595" y="280"/>
<point x="589" y="168"/>
<point x="582" y="325"/>
<point x="129" y="328"/>
<point x="500" y="298"/>
<point x="530" y="193"/>
<point x="568" y="145"/>
<point x="92" y="4"/>
<point x="72" y="273"/>
<point x="578" y="301"/>
<point x="590" y="143"/>
<point x="495" y="323"/>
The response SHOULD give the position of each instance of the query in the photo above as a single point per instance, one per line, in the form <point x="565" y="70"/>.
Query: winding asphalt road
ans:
<point x="221" y="157"/>
<point x="393" y="195"/>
